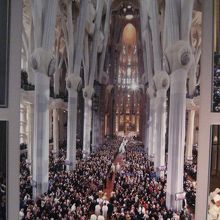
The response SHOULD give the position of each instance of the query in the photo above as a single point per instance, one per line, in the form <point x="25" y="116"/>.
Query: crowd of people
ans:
<point x="138" y="193"/>
<point x="71" y="194"/>
<point x="78" y="195"/>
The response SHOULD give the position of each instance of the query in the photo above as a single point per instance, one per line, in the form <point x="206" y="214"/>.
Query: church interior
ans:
<point x="109" y="109"/>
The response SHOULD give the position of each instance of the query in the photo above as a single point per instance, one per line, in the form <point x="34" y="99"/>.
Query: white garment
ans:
<point x="118" y="167"/>
<point x="21" y="215"/>
<point x="97" y="209"/>
<point x="101" y="217"/>
<point x="99" y="200"/>
<point x="113" y="168"/>
<point x="122" y="146"/>
<point x="214" y="213"/>
<point x="93" y="217"/>
<point x="73" y="208"/>
<point x="104" y="211"/>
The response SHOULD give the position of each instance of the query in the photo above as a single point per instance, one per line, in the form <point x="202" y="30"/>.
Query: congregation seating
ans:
<point x="79" y="194"/>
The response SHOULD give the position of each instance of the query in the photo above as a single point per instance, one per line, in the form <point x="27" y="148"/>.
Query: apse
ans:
<point x="129" y="36"/>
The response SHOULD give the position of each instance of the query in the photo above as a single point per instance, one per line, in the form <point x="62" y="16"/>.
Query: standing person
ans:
<point x="214" y="211"/>
<point x="101" y="217"/>
<point x="118" y="167"/>
<point x="97" y="210"/>
<point x="93" y="217"/>
<point x="104" y="210"/>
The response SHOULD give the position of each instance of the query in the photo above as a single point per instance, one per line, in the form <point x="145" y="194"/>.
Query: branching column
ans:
<point x="151" y="122"/>
<point x="94" y="129"/>
<point x="55" y="131"/>
<point x="61" y="125"/>
<point x="30" y="130"/>
<point x="191" y="108"/>
<point x="87" y="93"/>
<point x="50" y="124"/>
<point x="179" y="58"/>
<point x="23" y="123"/>
<point x="42" y="65"/>
<point x="56" y="105"/>
<point x="161" y="80"/>
<point x="73" y="83"/>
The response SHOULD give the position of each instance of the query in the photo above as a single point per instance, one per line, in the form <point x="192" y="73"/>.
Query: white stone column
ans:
<point x="95" y="130"/>
<point x="190" y="130"/>
<point x="50" y="124"/>
<point x="42" y="65"/>
<point x="41" y="135"/>
<point x="179" y="58"/>
<point x="96" y="42"/>
<point x="87" y="93"/>
<point x="190" y="135"/>
<point x="55" y="131"/>
<point x="73" y="83"/>
<point x="99" y="134"/>
<point x="30" y="130"/>
<point x="56" y="105"/>
<point x="162" y="84"/>
<point x="176" y="137"/>
<point x="61" y="125"/>
<point x="146" y="126"/>
<point x="154" y="131"/>
<point x="151" y="122"/>
<point x="150" y="133"/>
<point x="23" y="124"/>
<point x="106" y="37"/>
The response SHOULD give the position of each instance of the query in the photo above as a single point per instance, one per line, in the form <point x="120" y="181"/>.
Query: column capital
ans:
<point x="91" y="13"/>
<point x="57" y="104"/>
<point x="191" y="105"/>
<point x="144" y="78"/>
<point x="88" y="92"/>
<point x="73" y="82"/>
<point x="178" y="56"/>
<point x="104" y="78"/>
<point x="101" y="41"/>
<point x="42" y="61"/>
<point x="161" y="80"/>
<point x="151" y="91"/>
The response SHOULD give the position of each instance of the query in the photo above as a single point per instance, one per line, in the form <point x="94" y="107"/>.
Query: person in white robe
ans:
<point x="104" y="210"/>
<point x="101" y="217"/>
<point x="97" y="210"/>
<point x="93" y="217"/>
<point x="214" y="211"/>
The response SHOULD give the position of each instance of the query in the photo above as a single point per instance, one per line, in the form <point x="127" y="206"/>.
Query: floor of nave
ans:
<point x="131" y="193"/>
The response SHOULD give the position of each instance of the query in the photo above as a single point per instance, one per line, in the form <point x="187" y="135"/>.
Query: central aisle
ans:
<point x="110" y="182"/>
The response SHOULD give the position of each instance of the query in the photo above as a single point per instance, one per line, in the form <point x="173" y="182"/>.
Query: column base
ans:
<point x="69" y="165"/>
<point x="160" y="171"/>
<point x="151" y="158"/>
<point x="174" y="202"/>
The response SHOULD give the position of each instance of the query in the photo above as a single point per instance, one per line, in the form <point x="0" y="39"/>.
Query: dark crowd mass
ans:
<point x="137" y="194"/>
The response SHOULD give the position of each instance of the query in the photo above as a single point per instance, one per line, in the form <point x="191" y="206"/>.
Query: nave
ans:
<point x="135" y="192"/>
<point x="78" y="75"/>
